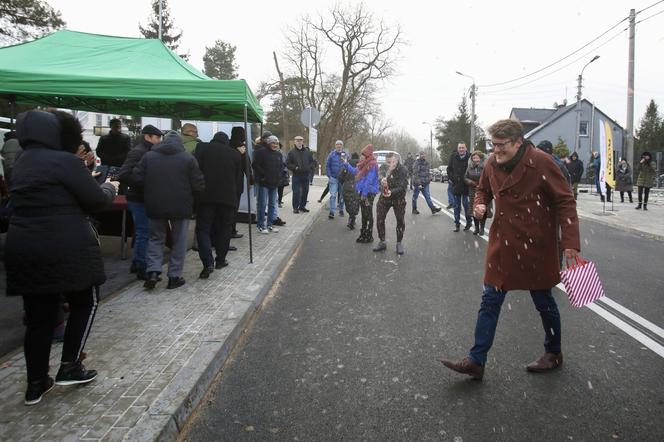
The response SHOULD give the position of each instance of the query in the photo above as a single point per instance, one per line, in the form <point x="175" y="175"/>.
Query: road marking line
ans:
<point x="601" y="311"/>
<point x="633" y="316"/>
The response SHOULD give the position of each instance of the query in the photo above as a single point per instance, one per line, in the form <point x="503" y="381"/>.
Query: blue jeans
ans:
<point x="450" y="194"/>
<point x="458" y="201"/>
<point x="300" y="191"/>
<point x="334" y="192"/>
<point x="266" y="197"/>
<point x="487" y="320"/>
<point x="141" y="233"/>
<point x="425" y="193"/>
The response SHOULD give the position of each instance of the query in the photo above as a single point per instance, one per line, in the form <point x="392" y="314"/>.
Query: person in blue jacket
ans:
<point x="333" y="166"/>
<point x="366" y="184"/>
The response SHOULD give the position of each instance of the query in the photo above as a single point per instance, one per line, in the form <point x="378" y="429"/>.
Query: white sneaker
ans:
<point x="263" y="231"/>
<point x="272" y="229"/>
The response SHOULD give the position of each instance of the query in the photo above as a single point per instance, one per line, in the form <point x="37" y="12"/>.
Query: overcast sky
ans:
<point x="491" y="41"/>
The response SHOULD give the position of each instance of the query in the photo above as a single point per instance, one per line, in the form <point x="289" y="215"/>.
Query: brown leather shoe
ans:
<point x="546" y="362"/>
<point x="465" y="366"/>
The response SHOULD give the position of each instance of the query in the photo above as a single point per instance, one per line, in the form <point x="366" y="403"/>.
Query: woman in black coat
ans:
<point x="52" y="248"/>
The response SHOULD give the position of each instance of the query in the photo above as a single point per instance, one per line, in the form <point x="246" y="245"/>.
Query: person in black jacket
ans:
<point x="420" y="181"/>
<point x="300" y="162"/>
<point x="575" y="169"/>
<point x="238" y="142"/>
<point x="456" y="171"/>
<point x="170" y="177"/>
<point x="393" y="186"/>
<point x="222" y="168"/>
<point x="268" y="166"/>
<point x="113" y="148"/>
<point x="52" y="249"/>
<point x="135" y="202"/>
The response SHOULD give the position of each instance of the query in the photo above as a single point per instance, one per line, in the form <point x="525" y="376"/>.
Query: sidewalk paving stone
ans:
<point x="156" y="352"/>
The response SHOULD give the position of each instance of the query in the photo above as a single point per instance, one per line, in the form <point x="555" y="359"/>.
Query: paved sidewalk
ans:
<point x="158" y="352"/>
<point x="623" y="215"/>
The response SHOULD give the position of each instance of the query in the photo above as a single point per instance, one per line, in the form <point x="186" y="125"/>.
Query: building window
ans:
<point x="97" y="119"/>
<point x="583" y="129"/>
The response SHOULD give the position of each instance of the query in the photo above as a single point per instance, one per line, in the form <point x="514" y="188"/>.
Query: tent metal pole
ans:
<point x="247" y="175"/>
<point x="12" y="116"/>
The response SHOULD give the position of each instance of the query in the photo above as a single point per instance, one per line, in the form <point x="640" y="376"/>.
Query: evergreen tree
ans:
<point x="219" y="61"/>
<point x="560" y="149"/>
<point x="169" y="35"/>
<point x="650" y="134"/>
<point x="449" y="133"/>
<point x="22" y="20"/>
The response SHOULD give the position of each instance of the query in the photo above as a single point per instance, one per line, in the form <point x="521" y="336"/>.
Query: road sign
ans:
<point x="313" y="139"/>
<point x="310" y="116"/>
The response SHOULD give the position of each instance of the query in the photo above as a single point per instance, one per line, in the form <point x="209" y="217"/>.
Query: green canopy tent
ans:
<point x="127" y="76"/>
<point x="118" y="75"/>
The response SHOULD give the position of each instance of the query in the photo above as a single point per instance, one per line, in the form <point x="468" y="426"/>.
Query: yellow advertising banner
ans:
<point x="609" y="167"/>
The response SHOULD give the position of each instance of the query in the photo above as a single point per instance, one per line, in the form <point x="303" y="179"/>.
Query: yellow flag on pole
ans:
<point x="609" y="167"/>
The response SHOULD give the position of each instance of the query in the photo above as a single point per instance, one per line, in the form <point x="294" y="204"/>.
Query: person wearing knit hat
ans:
<point x="135" y="202"/>
<point x="366" y="186"/>
<point x="238" y="141"/>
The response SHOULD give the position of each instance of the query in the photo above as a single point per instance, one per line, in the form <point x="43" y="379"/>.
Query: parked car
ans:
<point x="437" y="176"/>
<point x="443" y="174"/>
<point x="382" y="154"/>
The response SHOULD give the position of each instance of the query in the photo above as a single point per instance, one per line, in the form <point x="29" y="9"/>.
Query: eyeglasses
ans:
<point x="499" y="146"/>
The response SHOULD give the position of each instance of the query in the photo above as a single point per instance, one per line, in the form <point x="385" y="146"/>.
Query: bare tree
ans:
<point x="367" y="52"/>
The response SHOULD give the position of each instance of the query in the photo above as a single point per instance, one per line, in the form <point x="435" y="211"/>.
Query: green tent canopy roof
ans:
<point x="118" y="75"/>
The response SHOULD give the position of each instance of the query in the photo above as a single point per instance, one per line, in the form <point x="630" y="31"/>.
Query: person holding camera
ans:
<point x="646" y="179"/>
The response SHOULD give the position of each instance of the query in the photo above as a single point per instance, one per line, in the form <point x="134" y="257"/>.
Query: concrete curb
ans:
<point x="175" y="404"/>
<point x="600" y="220"/>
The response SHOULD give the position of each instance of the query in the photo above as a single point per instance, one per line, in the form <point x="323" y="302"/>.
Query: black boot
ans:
<point x="638" y="206"/>
<point x="481" y="229"/>
<point x="175" y="282"/>
<point x="457" y="227"/>
<point x="645" y="206"/>
<point x="151" y="281"/>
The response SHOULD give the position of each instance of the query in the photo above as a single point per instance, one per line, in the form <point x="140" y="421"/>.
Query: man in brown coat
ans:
<point x="532" y="197"/>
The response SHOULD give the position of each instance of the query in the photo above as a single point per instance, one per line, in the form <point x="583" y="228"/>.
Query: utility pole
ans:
<point x="629" y="145"/>
<point x="578" y="105"/>
<point x="473" y="93"/>
<point x="160" y="19"/>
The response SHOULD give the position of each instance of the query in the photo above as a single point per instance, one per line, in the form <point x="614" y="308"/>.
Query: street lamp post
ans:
<point x="473" y="93"/>
<point x="578" y="105"/>
<point x="430" y="140"/>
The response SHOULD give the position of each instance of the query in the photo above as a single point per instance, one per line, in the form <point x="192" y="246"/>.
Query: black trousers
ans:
<point x="367" y="216"/>
<point x="643" y="194"/>
<point x="41" y="312"/>
<point x="622" y="196"/>
<point x="214" y="227"/>
<point x="280" y="192"/>
<point x="383" y="206"/>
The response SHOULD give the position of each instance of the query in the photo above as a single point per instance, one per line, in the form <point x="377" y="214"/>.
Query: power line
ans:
<point x="648" y="7"/>
<point x="650" y="16"/>
<point x="559" y="60"/>
<point x="561" y="68"/>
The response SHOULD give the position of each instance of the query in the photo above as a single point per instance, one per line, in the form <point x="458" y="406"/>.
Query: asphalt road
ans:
<point x="347" y="349"/>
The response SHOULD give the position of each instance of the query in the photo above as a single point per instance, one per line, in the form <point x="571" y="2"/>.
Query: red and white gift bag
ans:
<point x="582" y="282"/>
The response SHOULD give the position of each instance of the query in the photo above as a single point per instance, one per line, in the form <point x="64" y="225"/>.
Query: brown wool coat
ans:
<point x="531" y="202"/>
